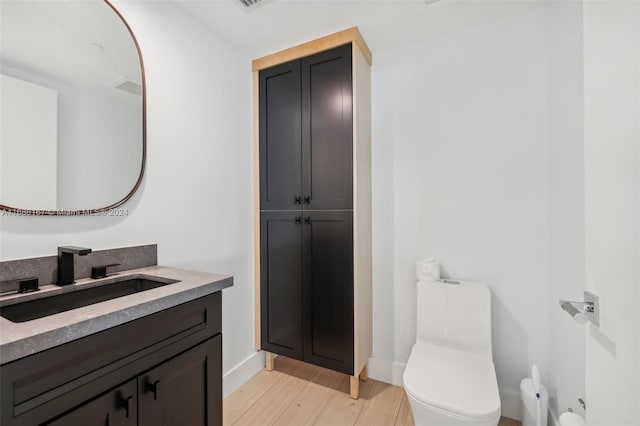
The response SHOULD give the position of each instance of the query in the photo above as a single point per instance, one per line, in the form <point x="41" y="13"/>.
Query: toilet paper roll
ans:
<point x="570" y="419"/>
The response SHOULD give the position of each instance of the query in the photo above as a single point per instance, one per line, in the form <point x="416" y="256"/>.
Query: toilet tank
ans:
<point x="454" y="315"/>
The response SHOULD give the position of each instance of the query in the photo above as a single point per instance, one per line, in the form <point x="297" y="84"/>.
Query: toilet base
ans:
<point x="424" y="416"/>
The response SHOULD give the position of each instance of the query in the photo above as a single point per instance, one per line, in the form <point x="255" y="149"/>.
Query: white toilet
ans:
<point x="450" y="378"/>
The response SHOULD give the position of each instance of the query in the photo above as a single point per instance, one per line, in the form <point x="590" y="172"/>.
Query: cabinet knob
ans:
<point x="298" y="220"/>
<point x="307" y="199"/>
<point x="297" y="199"/>
<point x="124" y="403"/>
<point x="307" y="220"/>
<point x="155" y="388"/>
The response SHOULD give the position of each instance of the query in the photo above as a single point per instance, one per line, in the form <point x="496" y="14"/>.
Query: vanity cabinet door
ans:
<point x="186" y="390"/>
<point x="328" y="289"/>
<point x="327" y="130"/>
<point x="117" y="407"/>
<point x="280" y="149"/>
<point x="281" y="283"/>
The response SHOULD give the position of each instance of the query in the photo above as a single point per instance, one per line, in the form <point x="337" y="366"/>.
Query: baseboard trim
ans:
<point x="510" y="402"/>
<point x="386" y="371"/>
<point x="242" y="372"/>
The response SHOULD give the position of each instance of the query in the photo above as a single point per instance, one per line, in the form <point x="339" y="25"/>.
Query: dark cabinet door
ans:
<point x="184" y="391"/>
<point x="328" y="289"/>
<point x="280" y="149"/>
<point x="327" y="130"/>
<point x="118" y="407"/>
<point x="281" y="282"/>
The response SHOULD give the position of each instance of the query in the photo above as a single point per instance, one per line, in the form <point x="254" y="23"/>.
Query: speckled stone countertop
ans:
<point x="18" y="340"/>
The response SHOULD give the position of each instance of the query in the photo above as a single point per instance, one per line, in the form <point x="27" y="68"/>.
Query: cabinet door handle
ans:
<point x="124" y="403"/>
<point x="297" y="199"/>
<point x="307" y="220"/>
<point x="307" y="199"/>
<point x="155" y="388"/>
<point x="298" y="220"/>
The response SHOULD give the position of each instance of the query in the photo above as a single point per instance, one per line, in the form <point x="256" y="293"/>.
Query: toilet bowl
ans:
<point x="450" y="377"/>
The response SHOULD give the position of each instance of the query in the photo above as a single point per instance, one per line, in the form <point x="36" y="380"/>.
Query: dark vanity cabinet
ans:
<point x="162" y="369"/>
<point x="313" y="219"/>
<point x="185" y="390"/>
<point x="118" y="407"/>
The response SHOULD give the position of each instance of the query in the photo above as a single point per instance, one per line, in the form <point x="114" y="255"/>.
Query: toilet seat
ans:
<point x="457" y="383"/>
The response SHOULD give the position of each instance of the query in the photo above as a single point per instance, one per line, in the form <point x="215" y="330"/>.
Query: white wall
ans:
<point x="461" y="168"/>
<point x="612" y="211"/>
<point x="196" y="198"/>
<point x="99" y="153"/>
<point x="566" y="205"/>
<point x="28" y="151"/>
<point x="100" y="149"/>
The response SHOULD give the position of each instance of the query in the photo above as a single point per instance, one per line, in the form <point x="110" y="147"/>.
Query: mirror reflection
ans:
<point x="71" y="106"/>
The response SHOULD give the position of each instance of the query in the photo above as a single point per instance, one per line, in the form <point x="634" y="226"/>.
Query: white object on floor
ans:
<point x="450" y="377"/>
<point x="535" y="377"/>
<point x="530" y="403"/>
<point x="570" y="419"/>
<point x="427" y="269"/>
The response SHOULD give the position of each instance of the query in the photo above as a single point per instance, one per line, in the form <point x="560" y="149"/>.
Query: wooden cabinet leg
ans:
<point x="364" y="374"/>
<point x="269" y="361"/>
<point x="355" y="387"/>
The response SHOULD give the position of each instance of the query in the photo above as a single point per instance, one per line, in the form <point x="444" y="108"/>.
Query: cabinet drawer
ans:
<point x="45" y="384"/>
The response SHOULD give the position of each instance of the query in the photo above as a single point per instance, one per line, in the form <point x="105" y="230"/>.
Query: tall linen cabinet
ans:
<point x="312" y="202"/>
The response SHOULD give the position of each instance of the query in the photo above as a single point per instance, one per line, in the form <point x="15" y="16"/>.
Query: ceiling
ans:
<point x="85" y="42"/>
<point x="274" y="25"/>
<point x="78" y="43"/>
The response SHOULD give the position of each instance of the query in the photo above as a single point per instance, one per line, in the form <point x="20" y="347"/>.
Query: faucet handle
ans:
<point x="101" y="271"/>
<point x="27" y="285"/>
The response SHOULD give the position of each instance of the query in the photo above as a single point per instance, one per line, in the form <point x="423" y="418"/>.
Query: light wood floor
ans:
<point x="299" y="394"/>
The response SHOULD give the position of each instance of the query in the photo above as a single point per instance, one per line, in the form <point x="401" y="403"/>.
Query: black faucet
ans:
<point x="65" y="263"/>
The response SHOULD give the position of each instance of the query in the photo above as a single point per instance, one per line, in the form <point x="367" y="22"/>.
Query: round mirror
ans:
<point x="72" y="125"/>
